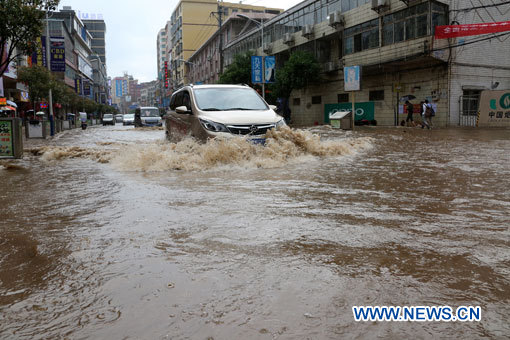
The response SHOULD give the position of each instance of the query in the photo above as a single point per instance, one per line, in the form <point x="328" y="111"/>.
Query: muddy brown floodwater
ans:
<point x="114" y="233"/>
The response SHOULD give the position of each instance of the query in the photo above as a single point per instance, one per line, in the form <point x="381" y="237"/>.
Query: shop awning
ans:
<point x="7" y="108"/>
<point x="11" y="103"/>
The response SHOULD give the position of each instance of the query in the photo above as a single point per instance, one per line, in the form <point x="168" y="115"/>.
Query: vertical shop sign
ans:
<point x="6" y="139"/>
<point x="57" y="54"/>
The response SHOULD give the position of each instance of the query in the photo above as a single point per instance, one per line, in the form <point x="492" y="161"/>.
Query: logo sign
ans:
<point x="364" y="110"/>
<point x="352" y="78"/>
<point x="504" y="101"/>
<point x="494" y="109"/>
<point x="44" y="105"/>
<point x="90" y="16"/>
<point x="6" y="139"/>
<point x="256" y="69"/>
<point x="269" y="73"/>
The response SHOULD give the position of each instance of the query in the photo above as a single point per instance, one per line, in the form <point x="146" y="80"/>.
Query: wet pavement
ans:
<point x="114" y="233"/>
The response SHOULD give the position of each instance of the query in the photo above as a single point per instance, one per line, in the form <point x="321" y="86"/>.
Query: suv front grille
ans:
<point x="253" y="129"/>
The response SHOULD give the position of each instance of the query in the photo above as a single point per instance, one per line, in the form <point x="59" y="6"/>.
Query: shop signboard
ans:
<point x="256" y="69"/>
<point x="39" y="56"/>
<point x="363" y="111"/>
<point x="6" y="139"/>
<point x="494" y="109"/>
<point x="269" y="69"/>
<point x="57" y="54"/>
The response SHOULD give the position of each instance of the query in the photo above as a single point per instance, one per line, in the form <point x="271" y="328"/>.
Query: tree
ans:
<point x="38" y="79"/>
<point x="21" y="23"/>
<point x="239" y="72"/>
<point x="298" y="72"/>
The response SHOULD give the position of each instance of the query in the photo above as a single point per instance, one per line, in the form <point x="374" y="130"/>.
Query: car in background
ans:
<point x="128" y="119"/>
<point x="209" y="111"/>
<point x="150" y="116"/>
<point x="118" y="118"/>
<point x="108" y="119"/>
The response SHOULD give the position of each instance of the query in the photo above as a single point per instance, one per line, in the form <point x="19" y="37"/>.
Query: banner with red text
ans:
<point x="454" y="31"/>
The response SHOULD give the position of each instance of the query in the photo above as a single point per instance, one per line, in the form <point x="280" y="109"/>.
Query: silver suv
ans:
<point x="209" y="111"/>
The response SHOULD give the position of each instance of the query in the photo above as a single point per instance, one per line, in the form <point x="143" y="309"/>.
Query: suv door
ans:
<point x="178" y="125"/>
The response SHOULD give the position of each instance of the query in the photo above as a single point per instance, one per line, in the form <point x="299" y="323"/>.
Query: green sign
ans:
<point x="363" y="110"/>
<point x="6" y="139"/>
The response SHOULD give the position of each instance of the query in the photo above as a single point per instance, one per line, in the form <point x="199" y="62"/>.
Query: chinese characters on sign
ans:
<point x="6" y="145"/>
<point x="256" y="69"/>
<point x="453" y="31"/>
<point x="57" y="54"/>
<point x="494" y="109"/>
<point x="39" y="56"/>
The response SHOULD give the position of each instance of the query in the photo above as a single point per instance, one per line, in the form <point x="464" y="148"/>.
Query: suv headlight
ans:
<point x="280" y="124"/>
<point x="213" y="126"/>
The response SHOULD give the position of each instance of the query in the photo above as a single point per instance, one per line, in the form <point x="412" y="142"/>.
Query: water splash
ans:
<point x="282" y="147"/>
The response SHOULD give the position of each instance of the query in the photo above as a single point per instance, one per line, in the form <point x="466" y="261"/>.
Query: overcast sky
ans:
<point x="132" y="28"/>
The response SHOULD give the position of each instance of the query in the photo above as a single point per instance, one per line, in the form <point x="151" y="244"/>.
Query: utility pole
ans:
<point x="220" y="17"/>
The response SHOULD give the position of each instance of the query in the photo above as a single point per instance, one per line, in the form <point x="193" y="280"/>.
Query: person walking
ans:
<point x="409" y="109"/>
<point x="425" y="112"/>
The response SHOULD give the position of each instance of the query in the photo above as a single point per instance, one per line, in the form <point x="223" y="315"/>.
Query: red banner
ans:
<point x="453" y="31"/>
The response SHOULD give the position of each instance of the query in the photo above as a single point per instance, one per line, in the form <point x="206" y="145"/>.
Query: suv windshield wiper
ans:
<point x="211" y="109"/>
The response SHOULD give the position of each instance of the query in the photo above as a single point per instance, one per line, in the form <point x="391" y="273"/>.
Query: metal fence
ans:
<point x="468" y="110"/>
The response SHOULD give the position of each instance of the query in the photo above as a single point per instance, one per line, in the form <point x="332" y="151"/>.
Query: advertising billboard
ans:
<point x="270" y="69"/>
<point x="118" y="88"/>
<point x="494" y="109"/>
<point x="57" y="54"/>
<point x="256" y="69"/>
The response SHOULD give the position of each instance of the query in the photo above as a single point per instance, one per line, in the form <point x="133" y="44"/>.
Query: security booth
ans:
<point x="341" y="120"/>
<point x="11" y="139"/>
<point x="37" y="126"/>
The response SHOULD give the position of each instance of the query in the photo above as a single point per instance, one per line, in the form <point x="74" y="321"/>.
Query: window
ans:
<point x="410" y="23"/>
<point x="296" y="101"/>
<point x="361" y="37"/>
<point x="343" y="97"/>
<point x="376" y="95"/>
<point x="316" y="99"/>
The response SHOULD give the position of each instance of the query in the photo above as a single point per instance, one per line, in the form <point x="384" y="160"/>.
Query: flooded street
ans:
<point x="114" y="233"/>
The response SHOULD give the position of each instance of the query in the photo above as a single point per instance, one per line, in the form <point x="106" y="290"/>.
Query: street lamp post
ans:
<point x="261" y="25"/>
<point x="50" y="95"/>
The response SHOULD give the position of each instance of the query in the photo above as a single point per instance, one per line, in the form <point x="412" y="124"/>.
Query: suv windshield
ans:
<point x="108" y="116"/>
<point x="152" y="112"/>
<point x="224" y="99"/>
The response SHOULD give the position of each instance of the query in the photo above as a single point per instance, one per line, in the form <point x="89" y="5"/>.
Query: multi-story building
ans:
<point x="393" y="42"/>
<point x="205" y="63"/>
<point x="82" y="42"/>
<point x="96" y="28"/>
<point x="192" y="23"/>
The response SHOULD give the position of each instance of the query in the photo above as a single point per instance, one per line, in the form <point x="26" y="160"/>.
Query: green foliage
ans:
<point x="38" y="79"/>
<point x="298" y="72"/>
<point x="239" y="72"/>
<point x="21" y="23"/>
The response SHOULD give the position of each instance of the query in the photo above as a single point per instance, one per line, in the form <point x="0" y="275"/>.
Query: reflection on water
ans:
<point x="104" y="234"/>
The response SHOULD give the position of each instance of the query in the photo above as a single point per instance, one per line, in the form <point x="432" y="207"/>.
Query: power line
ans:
<point x="468" y="9"/>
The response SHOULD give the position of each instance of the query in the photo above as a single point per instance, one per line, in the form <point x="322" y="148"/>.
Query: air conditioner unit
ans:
<point x="329" y="66"/>
<point x="336" y="19"/>
<point x="288" y="38"/>
<point x="380" y="5"/>
<point x="267" y="48"/>
<point x="307" y="30"/>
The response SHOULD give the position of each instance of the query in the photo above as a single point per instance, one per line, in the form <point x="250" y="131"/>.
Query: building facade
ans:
<point x="97" y="29"/>
<point x="192" y="23"/>
<point x="393" y="42"/>
<point x="204" y="64"/>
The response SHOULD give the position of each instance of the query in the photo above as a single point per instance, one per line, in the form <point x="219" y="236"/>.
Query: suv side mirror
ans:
<point x="182" y="110"/>
<point x="273" y="107"/>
